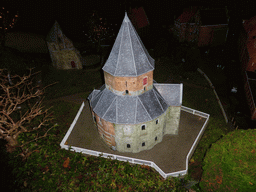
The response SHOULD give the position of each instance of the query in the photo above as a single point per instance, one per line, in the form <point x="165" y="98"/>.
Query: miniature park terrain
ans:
<point x="51" y="167"/>
<point x="172" y="153"/>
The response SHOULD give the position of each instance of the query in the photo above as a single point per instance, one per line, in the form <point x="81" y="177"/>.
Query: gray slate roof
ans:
<point x="55" y="30"/>
<point x="172" y="93"/>
<point x="128" y="109"/>
<point x="128" y="56"/>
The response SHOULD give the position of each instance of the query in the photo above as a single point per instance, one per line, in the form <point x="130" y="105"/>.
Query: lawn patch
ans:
<point x="230" y="163"/>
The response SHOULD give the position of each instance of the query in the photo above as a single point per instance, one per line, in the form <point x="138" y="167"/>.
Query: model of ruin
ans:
<point x="62" y="51"/>
<point x="131" y="111"/>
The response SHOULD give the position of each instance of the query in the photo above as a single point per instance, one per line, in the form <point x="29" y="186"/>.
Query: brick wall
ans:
<point x="106" y="130"/>
<point x="130" y="84"/>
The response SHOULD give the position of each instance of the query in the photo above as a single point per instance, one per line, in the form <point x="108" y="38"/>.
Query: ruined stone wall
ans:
<point x="129" y="85"/>
<point x="62" y="59"/>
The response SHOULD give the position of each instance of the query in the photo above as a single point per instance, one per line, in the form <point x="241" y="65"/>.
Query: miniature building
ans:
<point x="62" y="51"/>
<point x="131" y="111"/>
<point x="246" y="51"/>
<point x="207" y="27"/>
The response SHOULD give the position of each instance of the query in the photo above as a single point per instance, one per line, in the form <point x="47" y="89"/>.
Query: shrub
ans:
<point x="20" y="107"/>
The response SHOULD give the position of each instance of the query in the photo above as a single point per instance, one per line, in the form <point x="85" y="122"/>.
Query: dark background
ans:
<point x="38" y="15"/>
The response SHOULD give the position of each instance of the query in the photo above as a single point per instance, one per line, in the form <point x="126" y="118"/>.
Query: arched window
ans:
<point x="126" y="92"/>
<point x="143" y="127"/>
<point x="143" y="144"/>
<point x="128" y="146"/>
<point x="155" y="138"/>
<point x="157" y="121"/>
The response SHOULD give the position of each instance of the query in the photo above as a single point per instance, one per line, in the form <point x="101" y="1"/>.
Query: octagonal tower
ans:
<point x="132" y="113"/>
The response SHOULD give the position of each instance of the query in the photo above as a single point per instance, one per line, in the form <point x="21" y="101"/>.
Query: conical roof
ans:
<point x="53" y="33"/>
<point x="128" y="56"/>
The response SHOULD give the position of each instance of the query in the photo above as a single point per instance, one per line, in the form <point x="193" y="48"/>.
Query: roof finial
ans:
<point x="126" y="19"/>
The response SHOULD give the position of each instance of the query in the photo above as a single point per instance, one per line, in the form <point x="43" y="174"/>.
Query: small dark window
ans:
<point x="94" y="118"/>
<point x="144" y="88"/>
<point x="73" y="64"/>
<point x="157" y="121"/>
<point x="143" y="127"/>
<point x="59" y="40"/>
<point x="155" y="138"/>
<point x="143" y="144"/>
<point x="145" y="81"/>
<point x="126" y="92"/>
<point x="128" y="146"/>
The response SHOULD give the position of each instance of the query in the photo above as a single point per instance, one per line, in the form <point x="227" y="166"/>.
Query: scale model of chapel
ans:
<point x="131" y="111"/>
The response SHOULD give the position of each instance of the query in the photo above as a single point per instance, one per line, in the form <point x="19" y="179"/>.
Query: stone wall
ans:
<point x="129" y="85"/>
<point x="172" y="120"/>
<point x="139" y="137"/>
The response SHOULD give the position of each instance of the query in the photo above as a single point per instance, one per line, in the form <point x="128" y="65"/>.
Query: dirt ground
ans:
<point x="169" y="155"/>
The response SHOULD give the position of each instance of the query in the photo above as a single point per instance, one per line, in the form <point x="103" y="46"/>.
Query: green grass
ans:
<point x="50" y="168"/>
<point x="69" y="82"/>
<point x="230" y="163"/>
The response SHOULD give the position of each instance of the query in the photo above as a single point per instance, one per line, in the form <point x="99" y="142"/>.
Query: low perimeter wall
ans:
<point x="139" y="161"/>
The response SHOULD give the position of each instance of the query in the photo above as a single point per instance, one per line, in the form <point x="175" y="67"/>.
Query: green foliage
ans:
<point x="49" y="168"/>
<point x="230" y="163"/>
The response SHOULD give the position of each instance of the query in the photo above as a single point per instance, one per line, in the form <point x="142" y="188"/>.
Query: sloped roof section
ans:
<point x="128" y="109"/>
<point x="172" y="93"/>
<point x="53" y="33"/>
<point x="128" y="56"/>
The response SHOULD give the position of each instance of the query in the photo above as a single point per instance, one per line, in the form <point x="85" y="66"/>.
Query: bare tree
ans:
<point x="98" y="29"/>
<point x="21" y="109"/>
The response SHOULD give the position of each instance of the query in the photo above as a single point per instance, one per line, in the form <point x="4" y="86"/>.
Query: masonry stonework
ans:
<point x="139" y="137"/>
